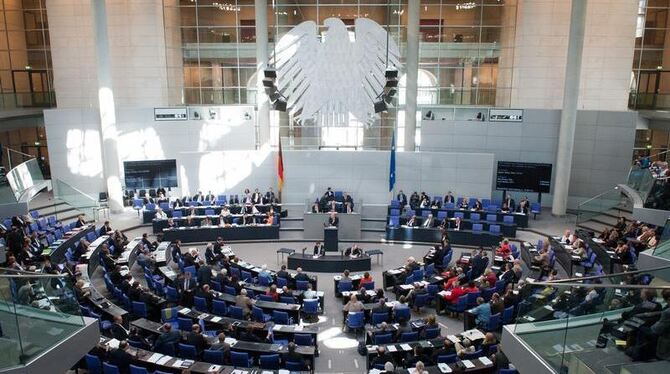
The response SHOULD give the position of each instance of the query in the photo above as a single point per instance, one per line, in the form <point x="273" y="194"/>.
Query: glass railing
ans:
<point x="598" y="204"/>
<point x="37" y="311"/>
<point x="75" y="198"/>
<point x="578" y="322"/>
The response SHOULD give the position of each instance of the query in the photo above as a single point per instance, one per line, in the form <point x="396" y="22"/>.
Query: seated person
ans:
<point x="160" y="214"/>
<point x="413" y="222"/>
<point x="429" y="222"/>
<point x="416" y="357"/>
<point x="482" y="312"/>
<point x="353" y="252"/>
<point x="448" y="198"/>
<point x="272" y="292"/>
<point x="567" y="237"/>
<point x="623" y="252"/>
<point x="269" y="218"/>
<point x="477" y="205"/>
<point x="367" y="278"/>
<point x="225" y="217"/>
<point x="206" y="222"/>
<point x="319" y="249"/>
<point x="523" y="206"/>
<point x="504" y="250"/>
<point x="414" y="200"/>
<point x="504" y="208"/>
<point x="465" y="203"/>
<point x="402" y="198"/>
<point x="348" y="203"/>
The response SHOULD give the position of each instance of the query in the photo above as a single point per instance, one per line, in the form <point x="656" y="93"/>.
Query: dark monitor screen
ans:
<point x="523" y="176"/>
<point x="150" y="174"/>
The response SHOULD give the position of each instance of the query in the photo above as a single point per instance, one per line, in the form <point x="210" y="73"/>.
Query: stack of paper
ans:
<point x="154" y="358"/>
<point x="468" y="364"/>
<point x="485" y="360"/>
<point x="163" y="360"/>
<point x="444" y="368"/>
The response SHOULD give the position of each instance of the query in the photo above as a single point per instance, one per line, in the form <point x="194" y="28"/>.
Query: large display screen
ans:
<point x="523" y="176"/>
<point x="150" y="174"/>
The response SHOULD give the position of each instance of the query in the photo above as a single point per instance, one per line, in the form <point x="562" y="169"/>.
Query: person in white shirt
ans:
<point x="567" y="237"/>
<point x="428" y="222"/>
<point x="160" y="214"/>
<point x="309" y="293"/>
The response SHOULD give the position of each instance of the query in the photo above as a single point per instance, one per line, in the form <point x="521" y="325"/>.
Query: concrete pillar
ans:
<point x="411" y="73"/>
<point x="566" y="135"/>
<point x="108" y="133"/>
<point x="262" y="100"/>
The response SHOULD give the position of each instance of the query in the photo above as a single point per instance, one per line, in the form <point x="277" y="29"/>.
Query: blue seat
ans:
<point x="213" y="356"/>
<point x="110" y="369"/>
<point x="429" y="270"/>
<point x="395" y="203"/>
<point x="264" y="280"/>
<point x="172" y="294"/>
<point x="494" y="322"/>
<point x="170" y="315"/>
<point x="310" y="307"/>
<point x="188" y="351"/>
<point x="140" y="309"/>
<point x="508" y="371"/>
<point x="378" y="318"/>
<point x="508" y="220"/>
<point x="138" y="205"/>
<point x="301" y="285"/>
<point x="460" y="305"/>
<point x="270" y="362"/>
<point x="477" y="227"/>
<point x="246" y="276"/>
<point x="356" y="320"/>
<point x="432" y="332"/>
<point x="236" y="312"/>
<point x="493" y="208"/>
<point x="494" y="229"/>
<point x="383" y="338"/>
<point x="395" y="212"/>
<point x="281" y="282"/>
<point x="369" y="285"/>
<point x="449" y="206"/>
<point x="344" y="286"/>
<point x="209" y="212"/>
<point x="303" y="339"/>
<point x="441" y="215"/>
<point x="281" y="318"/>
<point x="491" y="218"/>
<point x="219" y="307"/>
<point x="508" y="315"/>
<point x="394" y="221"/>
<point x="460" y="215"/>
<point x="471" y="356"/>
<point x="425" y="213"/>
<point x="184" y="324"/>
<point x="93" y="364"/>
<point x="421" y="300"/>
<point x="409" y="337"/>
<point x="294" y="366"/>
<point x="402" y="315"/>
<point x="200" y="304"/>
<point x="265" y="298"/>
<point x="258" y="315"/>
<point x="138" y="370"/>
<point x="447" y="359"/>
<point x="230" y="290"/>
<point x="536" y="209"/>
<point x="177" y="214"/>
<point x="287" y="299"/>
<point x="191" y="269"/>
<point x="241" y="359"/>
<point x="487" y="293"/>
<point x="475" y="217"/>
<point x="446" y="260"/>
<point x="472" y="298"/>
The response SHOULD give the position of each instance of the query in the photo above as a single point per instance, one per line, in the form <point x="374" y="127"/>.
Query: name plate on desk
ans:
<point x="505" y="115"/>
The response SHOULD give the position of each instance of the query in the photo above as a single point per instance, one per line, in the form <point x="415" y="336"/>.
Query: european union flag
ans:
<point x="392" y="164"/>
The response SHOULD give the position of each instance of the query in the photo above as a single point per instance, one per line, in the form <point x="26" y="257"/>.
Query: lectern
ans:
<point x="330" y="240"/>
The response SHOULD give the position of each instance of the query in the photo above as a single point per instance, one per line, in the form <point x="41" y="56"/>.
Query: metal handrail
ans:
<point x="597" y="196"/>
<point x="80" y="192"/>
<point x="602" y="285"/>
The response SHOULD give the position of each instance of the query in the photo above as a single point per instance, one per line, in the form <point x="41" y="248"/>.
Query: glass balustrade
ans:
<point x="36" y="312"/>
<point x="563" y="323"/>
<point x="599" y="204"/>
<point x="75" y="198"/>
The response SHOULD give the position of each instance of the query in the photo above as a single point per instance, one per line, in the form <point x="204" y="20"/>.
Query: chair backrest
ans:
<point x="240" y="359"/>
<point x="447" y="359"/>
<point x="287" y="299"/>
<point x="271" y="361"/>
<point x="394" y="221"/>
<point x="200" y="304"/>
<point x="294" y="366"/>
<point x="402" y="315"/>
<point x="230" y="290"/>
<point x="93" y="364"/>
<point x="395" y="212"/>
<point x="280" y="317"/>
<point x="303" y="339"/>
<point x="188" y="351"/>
<point x="378" y="318"/>
<point x="508" y="219"/>
<point x="184" y="324"/>
<point x="265" y="297"/>
<point x="409" y="336"/>
<point x="355" y="319"/>
<point x="475" y="217"/>
<point x="494" y="322"/>
<point x="140" y="308"/>
<point x="209" y="212"/>
<point x="344" y="286"/>
<point x="301" y="285"/>
<point x="494" y="229"/>
<point x="138" y="370"/>
<point x="177" y="214"/>
<point x="219" y="307"/>
<point x="493" y="208"/>
<point x="169" y="314"/>
<point x="441" y="214"/>
<point x="508" y="315"/>
<point x="213" y="356"/>
<point x="432" y="332"/>
<point x="236" y="312"/>
<point x="310" y="306"/>
<point x="383" y="338"/>
<point x="281" y="282"/>
<point x="459" y="215"/>
<point x="110" y="369"/>
<point x="449" y="206"/>
<point x="477" y="227"/>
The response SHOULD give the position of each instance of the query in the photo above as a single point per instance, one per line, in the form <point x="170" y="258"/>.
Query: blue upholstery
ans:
<point x="301" y="285"/>
<point x="270" y="362"/>
<point x="219" y="307"/>
<point x="494" y="322"/>
<point x="477" y="227"/>
<point x="409" y="337"/>
<point x="447" y="359"/>
<point x="494" y="229"/>
<point x="138" y="370"/>
<point x="303" y="339"/>
<point x="281" y="318"/>
<point x="200" y="304"/>
<point x="188" y="351"/>
<point x="93" y="364"/>
<point x="140" y="309"/>
<point x="236" y="312"/>
<point x="432" y="332"/>
<point x="383" y="338"/>
<point x="356" y="320"/>
<point x="258" y="315"/>
<point x="378" y="318"/>
<point x="508" y="219"/>
<point x="475" y="217"/>
<point x="241" y="359"/>
<point x="213" y="356"/>
<point x="344" y="286"/>
<point x="110" y="369"/>
<point x="184" y="324"/>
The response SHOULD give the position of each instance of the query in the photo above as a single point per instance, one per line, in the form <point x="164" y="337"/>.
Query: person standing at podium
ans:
<point x="319" y="250"/>
<point x="333" y="220"/>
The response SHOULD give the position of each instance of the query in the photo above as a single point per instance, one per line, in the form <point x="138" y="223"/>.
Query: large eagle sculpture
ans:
<point x="341" y="74"/>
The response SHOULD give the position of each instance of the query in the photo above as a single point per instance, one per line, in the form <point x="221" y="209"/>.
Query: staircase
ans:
<point x="606" y="219"/>
<point x="602" y="211"/>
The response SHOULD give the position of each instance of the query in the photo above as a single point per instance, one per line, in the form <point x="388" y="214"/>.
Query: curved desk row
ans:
<point x="328" y="264"/>
<point x="211" y="233"/>
<point x="456" y="237"/>
<point x="160" y="224"/>
<point x="57" y="249"/>
<point x="149" y="215"/>
<point x="520" y="219"/>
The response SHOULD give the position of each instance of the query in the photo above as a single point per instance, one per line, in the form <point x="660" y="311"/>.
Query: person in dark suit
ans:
<point x="509" y="202"/>
<point x="348" y="203"/>
<point x="161" y="191"/>
<point x="319" y="249"/>
<point x="118" y="331"/>
<point x="199" y="197"/>
<point x="204" y="273"/>
<point x="270" y="197"/>
<point x="134" y="292"/>
<point x="176" y="251"/>
<point x="195" y="338"/>
<point x="381" y="307"/>
<point x="300" y="276"/>
<point x="168" y="337"/>
<point x="447" y="349"/>
<point x="402" y="198"/>
<point x="293" y="356"/>
<point x="210" y="197"/>
<point x="333" y="220"/>
<point x="211" y="256"/>
<point x="256" y="197"/>
<point x="448" y="198"/>
<point x="479" y="263"/>
<point x="106" y="229"/>
<point x="414" y="200"/>
<point x="148" y="244"/>
<point x="477" y="205"/>
<point x="382" y="356"/>
<point x="282" y="273"/>
<point x="80" y="221"/>
<point x="120" y="357"/>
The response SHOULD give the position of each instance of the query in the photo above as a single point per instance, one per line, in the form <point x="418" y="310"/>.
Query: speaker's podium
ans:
<point x="330" y="240"/>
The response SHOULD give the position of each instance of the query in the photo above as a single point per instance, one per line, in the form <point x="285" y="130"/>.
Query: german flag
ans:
<point x="280" y="168"/>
